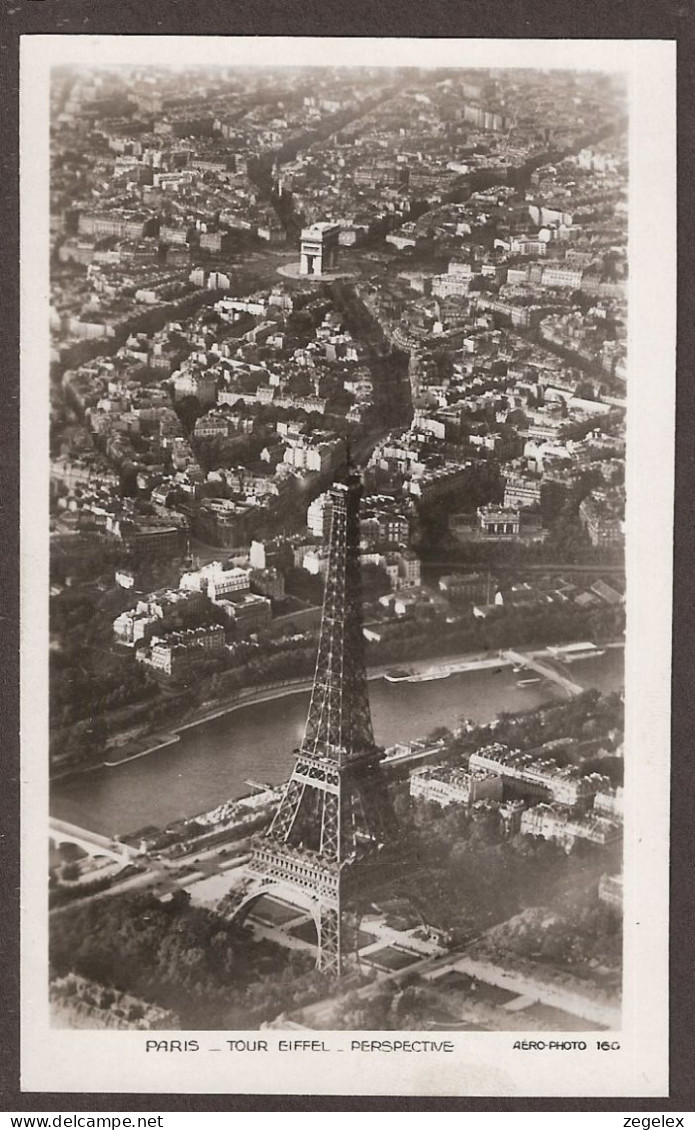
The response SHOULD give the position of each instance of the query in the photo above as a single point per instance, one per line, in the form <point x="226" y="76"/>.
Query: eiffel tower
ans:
<point x="334" y="835"/>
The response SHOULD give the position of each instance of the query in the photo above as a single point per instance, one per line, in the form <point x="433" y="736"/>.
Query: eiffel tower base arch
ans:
<point x="325" y="913"/>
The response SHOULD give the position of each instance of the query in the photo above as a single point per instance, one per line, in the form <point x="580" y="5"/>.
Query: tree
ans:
<point x="437" y="733"/>
<point x="444" y="361"/>
<point x="410" y="1006"/>
<point x="301" y="323"/>
<point x="478" y="284"/>
<point x="188" y="410"/>
<point x="585" y="390"/>
<point x="553" y="498"/>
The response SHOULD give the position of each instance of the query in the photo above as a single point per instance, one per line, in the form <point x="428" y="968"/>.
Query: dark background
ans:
<point x="544" y="19"/>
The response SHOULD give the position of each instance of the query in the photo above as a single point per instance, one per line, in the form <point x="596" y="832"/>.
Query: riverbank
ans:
<point x="141" y="746"/>
<point x="214" y="762"/>
<point x="452" y="664"/>
<point x="133" y="754"/>
<point x="256" y="695"/>
<point x="438" y="668"/>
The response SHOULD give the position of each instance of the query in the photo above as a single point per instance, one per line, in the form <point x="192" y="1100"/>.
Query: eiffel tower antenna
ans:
<point x="331" y="836"/>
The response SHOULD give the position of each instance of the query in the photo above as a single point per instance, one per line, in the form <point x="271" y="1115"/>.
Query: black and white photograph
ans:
<point x="346" y="705"/>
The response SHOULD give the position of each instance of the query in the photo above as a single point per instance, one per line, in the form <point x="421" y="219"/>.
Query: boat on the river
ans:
<point x="571" y="652"/>
<point x="399" y="674"/>
<point x="410" y="675"/>
<point x="431" y="673"/>
<point x="528" y="682"/>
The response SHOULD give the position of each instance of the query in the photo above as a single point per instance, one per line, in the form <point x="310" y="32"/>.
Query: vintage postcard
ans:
<point x="348" y="380"/>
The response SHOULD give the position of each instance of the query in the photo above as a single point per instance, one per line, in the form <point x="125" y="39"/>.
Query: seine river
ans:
<point x="213" y="761"/>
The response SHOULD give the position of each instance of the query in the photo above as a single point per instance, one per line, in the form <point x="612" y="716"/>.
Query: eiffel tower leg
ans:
<point x="328" y="957"/>
<point x="287" y="811"/>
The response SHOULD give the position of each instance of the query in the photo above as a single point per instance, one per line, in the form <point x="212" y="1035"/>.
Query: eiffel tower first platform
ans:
<point x="334" y="836"/>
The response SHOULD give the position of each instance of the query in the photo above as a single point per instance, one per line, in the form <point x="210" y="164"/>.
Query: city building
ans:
<point x="520" y="491"/>
<point x="465" y="587"/>
<point x="175" y="652"/>
<point x="610" y="890"/>
<point x="216" y="581"/>
<point x="510" y="813"/>
<point x="268" y="582"/>
<point x="193" y="382"/>
<point x="249" y="612"/>
<point x="322" y="456"/>
<point x="318" y="516"/>
<point x="542" y="778"/>
<point x="446" y="785"/>
<point x="603" y="521"/>
<point x="610" y="804"/>
<point x="554" y="822"/>
<point x="496" y="521"/>
<point x="222" y="522"/>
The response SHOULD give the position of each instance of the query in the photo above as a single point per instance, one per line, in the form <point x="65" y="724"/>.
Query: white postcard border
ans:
<point x="483" y="1064"/>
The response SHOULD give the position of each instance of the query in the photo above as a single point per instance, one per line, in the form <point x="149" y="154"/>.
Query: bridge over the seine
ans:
<point x="545" y="668"/>
<point x="91" y="842"/>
